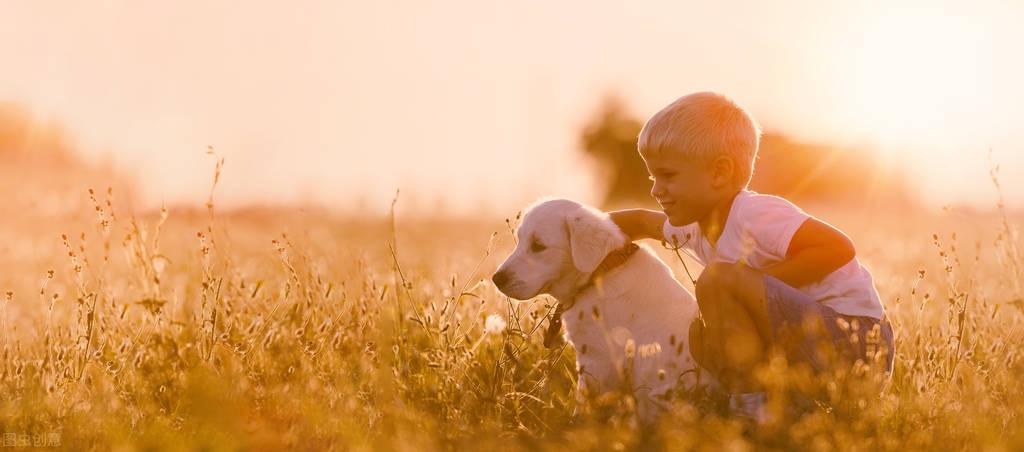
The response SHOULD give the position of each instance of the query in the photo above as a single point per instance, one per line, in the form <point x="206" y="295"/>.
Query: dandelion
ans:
<point x="630" y="349"/>
<point x="159" y="263"/>
<point x="494" y="324"/>
<point x="649" y="350"/>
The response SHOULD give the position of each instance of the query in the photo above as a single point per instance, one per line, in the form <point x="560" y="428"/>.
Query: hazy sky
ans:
<point x="472" y="103"/>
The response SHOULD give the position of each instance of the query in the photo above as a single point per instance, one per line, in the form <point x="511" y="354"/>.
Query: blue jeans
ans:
<point x="794" y="319"/>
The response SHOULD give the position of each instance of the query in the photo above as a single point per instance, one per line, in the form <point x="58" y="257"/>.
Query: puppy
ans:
<point x="624" y="311"/>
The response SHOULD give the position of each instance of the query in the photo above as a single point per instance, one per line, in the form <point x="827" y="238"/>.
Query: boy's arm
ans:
<point x="640" y="223"/>
<point x="816" y="250"/>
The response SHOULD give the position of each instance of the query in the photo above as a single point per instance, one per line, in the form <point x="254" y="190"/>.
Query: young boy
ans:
<point x="775" y="278"/>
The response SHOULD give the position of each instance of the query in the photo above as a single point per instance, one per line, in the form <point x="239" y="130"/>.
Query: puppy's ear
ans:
<point x="591" y="238"/>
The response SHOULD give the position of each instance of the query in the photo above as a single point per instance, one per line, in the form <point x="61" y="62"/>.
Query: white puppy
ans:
<point x="624" y="311"/>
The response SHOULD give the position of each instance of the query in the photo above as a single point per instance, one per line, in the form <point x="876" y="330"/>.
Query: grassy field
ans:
<point x="290" y="328"/>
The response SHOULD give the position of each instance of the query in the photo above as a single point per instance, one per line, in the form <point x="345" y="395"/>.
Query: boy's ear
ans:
<point x="723" y="171"/>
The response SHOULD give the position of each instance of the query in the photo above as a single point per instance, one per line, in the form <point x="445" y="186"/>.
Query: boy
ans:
<point x="775" y="278"/>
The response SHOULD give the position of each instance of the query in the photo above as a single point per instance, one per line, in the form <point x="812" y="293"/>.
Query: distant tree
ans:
<point x="818" y="172"/>
<point x="610" y="140"/>
<point x="42" y="173"/>
<point x="24" y="136"/>
<point x="798" y="171"/>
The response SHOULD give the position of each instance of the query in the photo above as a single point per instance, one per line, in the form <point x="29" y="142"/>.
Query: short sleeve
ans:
<point x="771" y="222"/>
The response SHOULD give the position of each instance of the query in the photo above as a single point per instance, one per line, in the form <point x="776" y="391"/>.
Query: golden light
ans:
<point x="917" y="76"/>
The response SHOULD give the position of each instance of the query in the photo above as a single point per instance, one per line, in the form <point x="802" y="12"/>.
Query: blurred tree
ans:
<point x="798" y="171"/>
<point x="816" y="172"/>
<point x="23" y="136"/>
<point x="610" y="139"/>
<point x="42" y="173"/>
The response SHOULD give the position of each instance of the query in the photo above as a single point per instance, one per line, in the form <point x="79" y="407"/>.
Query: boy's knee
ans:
<point x="720" y="276"/>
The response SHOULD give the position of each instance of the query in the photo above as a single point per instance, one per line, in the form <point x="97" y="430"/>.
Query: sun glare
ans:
<point x="916" y="75"/>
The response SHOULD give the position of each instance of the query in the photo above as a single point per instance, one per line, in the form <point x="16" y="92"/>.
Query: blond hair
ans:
<point x="702" y="126"/>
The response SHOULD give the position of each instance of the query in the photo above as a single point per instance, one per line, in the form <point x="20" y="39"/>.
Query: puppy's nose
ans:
<point x="500" y="279"/>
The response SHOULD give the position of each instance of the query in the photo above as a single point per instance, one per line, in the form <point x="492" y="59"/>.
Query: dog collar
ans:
<point x="612" y="260"/>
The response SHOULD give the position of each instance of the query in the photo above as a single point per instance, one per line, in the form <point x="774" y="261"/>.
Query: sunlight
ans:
<point x="917" y="76"/>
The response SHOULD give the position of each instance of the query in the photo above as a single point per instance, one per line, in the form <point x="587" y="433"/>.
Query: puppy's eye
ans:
<point x="536" y="246"/>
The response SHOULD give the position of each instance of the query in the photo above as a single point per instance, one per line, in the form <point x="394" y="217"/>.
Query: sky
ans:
<point x="474" y="105"/>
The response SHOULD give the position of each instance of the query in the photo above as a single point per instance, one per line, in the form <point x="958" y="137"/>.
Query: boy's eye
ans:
<point x="536" y="246"/>
<point x="662" y="176"/>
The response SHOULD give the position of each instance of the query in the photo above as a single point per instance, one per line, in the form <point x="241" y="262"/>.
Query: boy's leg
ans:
<point x="736" y="331"/>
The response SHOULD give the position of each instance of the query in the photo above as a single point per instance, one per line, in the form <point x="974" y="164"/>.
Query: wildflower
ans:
<point x="494" y="324"/>
<point x="159" y="263"/>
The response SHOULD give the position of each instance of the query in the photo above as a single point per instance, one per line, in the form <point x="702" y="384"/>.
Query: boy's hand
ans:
<point x="640" y="223"/>
<point x="816" y="250"/>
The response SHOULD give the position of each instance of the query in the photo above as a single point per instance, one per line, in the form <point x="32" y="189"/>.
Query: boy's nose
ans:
<point x="656" y="190"/>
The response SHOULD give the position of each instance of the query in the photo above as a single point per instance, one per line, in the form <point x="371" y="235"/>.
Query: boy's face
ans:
<point x="687" y="190"/>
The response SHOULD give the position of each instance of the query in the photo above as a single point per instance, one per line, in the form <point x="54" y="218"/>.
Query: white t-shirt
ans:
<point x="758" y="231"/>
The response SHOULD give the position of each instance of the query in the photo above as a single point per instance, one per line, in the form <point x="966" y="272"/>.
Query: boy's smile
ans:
<point x="687" y="190"/>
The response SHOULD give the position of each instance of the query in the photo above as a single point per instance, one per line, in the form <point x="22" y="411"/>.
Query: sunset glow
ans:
<point x="467" y="105"/>
<point x="271" y="225"/>
<point x="919" y="73"/>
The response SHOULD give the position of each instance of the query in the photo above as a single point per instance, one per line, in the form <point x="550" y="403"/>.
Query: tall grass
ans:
<point x="295" y="329"/>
